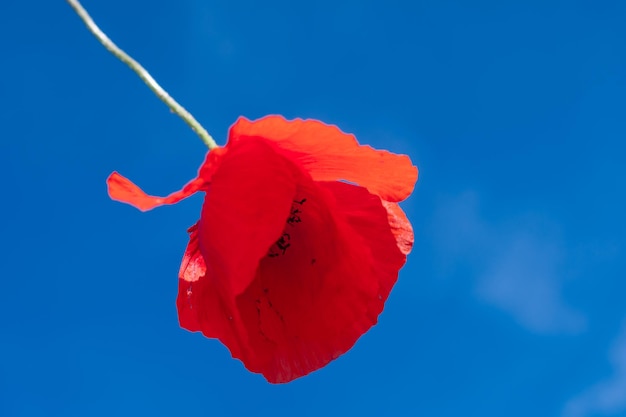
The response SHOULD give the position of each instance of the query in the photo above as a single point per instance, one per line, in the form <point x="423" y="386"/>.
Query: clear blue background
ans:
<point x="513" y="300"/>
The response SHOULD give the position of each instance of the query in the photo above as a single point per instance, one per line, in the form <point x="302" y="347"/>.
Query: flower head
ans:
<point x="299" y="242"/>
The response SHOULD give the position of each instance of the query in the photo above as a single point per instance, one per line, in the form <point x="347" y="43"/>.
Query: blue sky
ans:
<point x="512" y="302"/>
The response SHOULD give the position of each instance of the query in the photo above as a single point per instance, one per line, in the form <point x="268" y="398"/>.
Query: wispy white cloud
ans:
<point x="607" y="397"/>
<point x="525" y="280"/>
<point x="515" y="265"/>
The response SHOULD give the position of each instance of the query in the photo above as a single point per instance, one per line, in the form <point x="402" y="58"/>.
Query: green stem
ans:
<point x="144" y="75"/>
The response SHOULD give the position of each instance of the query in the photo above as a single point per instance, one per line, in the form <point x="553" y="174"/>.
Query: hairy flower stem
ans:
<point x="143" y="74"/>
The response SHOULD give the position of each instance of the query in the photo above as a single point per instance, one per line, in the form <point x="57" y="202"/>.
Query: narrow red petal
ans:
<point x="124" y="190"/>
<point x="329" y="154"/>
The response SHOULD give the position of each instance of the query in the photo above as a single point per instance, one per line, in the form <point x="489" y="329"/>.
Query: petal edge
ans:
<point x="124" y="190"/>
<point x="329" y="154"/>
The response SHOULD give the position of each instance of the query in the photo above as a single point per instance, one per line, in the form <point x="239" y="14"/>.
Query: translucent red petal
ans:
<point x="122" y="189"/>
<point x="328" y="154"/>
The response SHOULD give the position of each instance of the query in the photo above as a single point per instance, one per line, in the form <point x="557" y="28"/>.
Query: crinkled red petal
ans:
<point x="328" y="154"/>
<point x="122" y="189"/>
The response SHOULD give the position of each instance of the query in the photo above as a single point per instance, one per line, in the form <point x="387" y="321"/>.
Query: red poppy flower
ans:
<point x="299" y="242"/>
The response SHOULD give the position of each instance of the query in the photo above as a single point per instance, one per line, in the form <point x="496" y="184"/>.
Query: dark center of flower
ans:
<point x="283" y="243"/>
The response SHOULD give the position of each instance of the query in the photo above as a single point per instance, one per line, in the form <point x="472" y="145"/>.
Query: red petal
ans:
<point x="328" y="154"/>
<point x="400" y="227"/>
<point x="122" y="189"/>
<point x="311" y="305"/>
<point x="199" y="304"/>
<point x="192" y="267"/>
<point x="244" y="212"/>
